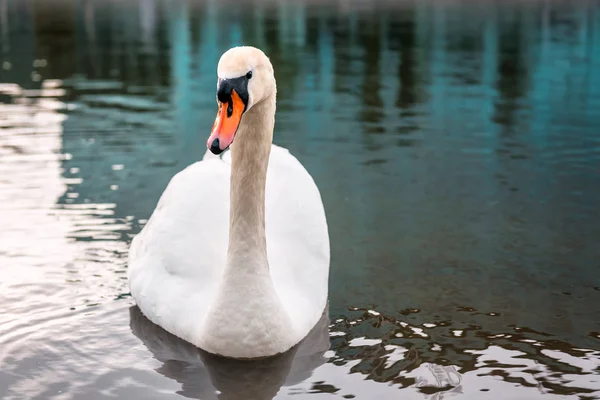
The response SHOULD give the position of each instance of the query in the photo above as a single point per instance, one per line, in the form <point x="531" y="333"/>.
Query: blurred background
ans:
<point x="456" y="145"/>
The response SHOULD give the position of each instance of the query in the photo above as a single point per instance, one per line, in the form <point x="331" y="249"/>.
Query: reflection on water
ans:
<point x="203" y="375"/>
<point x="458" y="156"/>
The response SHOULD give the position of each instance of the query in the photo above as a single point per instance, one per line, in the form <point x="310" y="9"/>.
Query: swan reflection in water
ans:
<point x="206" y="376"/>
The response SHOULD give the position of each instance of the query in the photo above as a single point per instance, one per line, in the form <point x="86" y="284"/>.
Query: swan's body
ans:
<point x="235" y="257"/>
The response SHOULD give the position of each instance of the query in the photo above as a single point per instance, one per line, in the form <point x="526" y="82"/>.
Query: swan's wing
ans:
<point x="297" y="239"/>
<point x="178" y="258"/>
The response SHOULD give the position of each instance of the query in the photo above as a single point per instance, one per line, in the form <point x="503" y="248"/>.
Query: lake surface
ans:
<point x="456" y="147"/>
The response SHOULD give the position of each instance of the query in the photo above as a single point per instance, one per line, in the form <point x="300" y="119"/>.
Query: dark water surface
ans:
<point x="457" y="149"/>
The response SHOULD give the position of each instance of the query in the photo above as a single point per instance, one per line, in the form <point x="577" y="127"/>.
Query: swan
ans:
<point x="235" y="257"/>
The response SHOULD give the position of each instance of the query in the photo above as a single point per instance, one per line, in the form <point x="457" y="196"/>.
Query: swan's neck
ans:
<point x="247" y="316"/>
<point x="247" y="250"/>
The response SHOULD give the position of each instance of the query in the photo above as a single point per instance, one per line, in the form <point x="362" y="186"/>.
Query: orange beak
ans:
<point x="226" y="124"/>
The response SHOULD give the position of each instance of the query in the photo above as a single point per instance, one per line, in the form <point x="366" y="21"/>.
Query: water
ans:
<point x="456" y="147"/>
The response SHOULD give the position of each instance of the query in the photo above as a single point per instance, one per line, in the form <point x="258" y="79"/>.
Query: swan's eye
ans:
<point x="249" y="75"/>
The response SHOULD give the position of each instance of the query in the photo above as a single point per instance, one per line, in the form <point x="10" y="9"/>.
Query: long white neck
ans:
<point x="247" y="316"/>
<point x="247" y="250"/>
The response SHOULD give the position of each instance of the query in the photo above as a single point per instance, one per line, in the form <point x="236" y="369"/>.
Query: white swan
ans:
<point x="235" y="257"/>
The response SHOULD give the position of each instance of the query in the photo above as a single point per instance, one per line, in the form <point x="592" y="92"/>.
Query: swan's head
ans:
<point x="245" y="78"/>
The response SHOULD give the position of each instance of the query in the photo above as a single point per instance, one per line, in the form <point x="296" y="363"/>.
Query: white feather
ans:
<point x="177" y="261"/>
